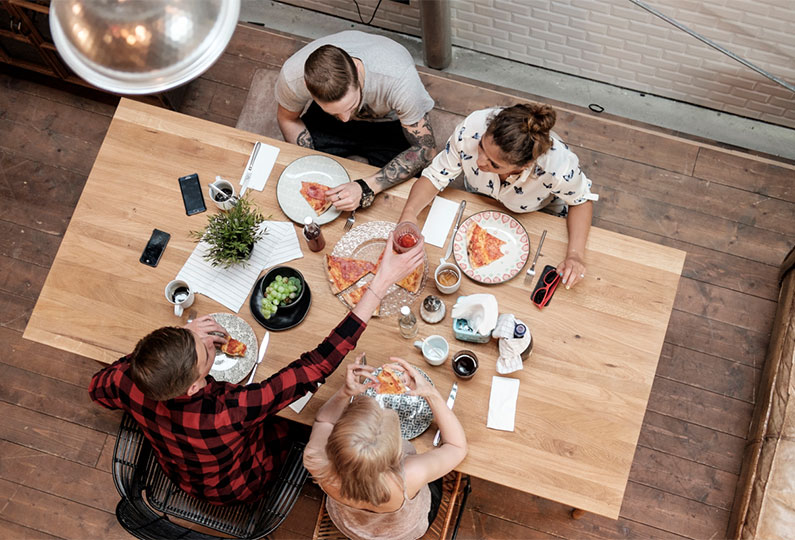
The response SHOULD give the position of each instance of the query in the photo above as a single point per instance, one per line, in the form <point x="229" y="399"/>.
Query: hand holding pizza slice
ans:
<point x="389" y="382"/>
<point x="233" y="347"/>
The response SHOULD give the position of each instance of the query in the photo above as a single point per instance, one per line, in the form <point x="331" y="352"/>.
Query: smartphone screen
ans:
<point x="192" y="194"/>
<point x="155" y="247"/>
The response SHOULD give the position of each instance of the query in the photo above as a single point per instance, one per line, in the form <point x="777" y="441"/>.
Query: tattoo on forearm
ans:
<point x="305" y="139"/>
<point x="412" y="160"/>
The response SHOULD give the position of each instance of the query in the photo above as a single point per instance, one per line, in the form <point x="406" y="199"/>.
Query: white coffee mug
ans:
<point x="435" y="349"/>
<point x="447" y="269"/>
<point x="222" y="186"/>
<point x="180" y="294"/>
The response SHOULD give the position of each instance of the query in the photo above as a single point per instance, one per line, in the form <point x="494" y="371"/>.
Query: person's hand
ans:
<point x="203" y="326"/>
<point x="345" y="197"/>
<point x="571" y="271"/>
<point x="395" y="267"/>
<point x="417" y="384"/>
<point x="353" y="386"/>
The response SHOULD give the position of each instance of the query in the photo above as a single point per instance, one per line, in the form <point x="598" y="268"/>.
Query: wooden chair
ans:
<point x="455" y="490"/>
<point x="148" y="496"/>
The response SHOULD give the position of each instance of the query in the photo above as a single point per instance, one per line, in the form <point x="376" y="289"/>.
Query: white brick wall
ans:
<point x="616" y="42"/>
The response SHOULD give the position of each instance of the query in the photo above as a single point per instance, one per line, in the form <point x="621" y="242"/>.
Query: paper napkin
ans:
<point x="263" y="165"/>
<point x="502" y="403"/>
<point x="299" y="404"/>
<point x="440" y="219"/>
<point x="231" y="286"/>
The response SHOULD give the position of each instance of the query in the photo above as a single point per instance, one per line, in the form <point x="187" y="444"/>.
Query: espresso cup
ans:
<point x="225" y="187"/>
<point x="465" y="364"/>
<point x="447" y="278"/>
<point x="180" y="295"/>
<point x="434" y="349"/>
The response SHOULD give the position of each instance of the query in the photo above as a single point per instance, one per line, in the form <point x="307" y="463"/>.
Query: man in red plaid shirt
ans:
<point x="219" y="441"/>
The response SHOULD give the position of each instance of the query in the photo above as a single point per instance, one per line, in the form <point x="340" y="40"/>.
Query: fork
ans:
<point x="532" y="270"/>
<point x="349" y="222"/>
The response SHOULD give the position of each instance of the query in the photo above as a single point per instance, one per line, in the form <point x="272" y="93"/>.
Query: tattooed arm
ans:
<point x="411" y="161"/>
<point x="293" y="128"/>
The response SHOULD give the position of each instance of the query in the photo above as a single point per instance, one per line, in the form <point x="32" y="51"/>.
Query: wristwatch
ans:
<point x="367" y="194"/>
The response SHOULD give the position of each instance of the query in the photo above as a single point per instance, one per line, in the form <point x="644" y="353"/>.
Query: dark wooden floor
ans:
<point x="732" y="212"/>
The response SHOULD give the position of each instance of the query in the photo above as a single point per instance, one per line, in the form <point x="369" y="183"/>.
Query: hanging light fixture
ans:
<point x="141" y="46"/>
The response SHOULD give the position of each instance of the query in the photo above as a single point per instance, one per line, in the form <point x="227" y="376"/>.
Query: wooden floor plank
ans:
<point x="21" y="278"/>
<point x="58" y="94"/>
<point x="15" y="311"/>
<point x="744" y="172"/>
<point x="27" y="245"/>
<point x="712" y="373"/>
<point x="9" y="530"/>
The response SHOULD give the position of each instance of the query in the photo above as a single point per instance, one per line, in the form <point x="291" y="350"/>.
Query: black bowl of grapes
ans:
<point x="282" y="290"/>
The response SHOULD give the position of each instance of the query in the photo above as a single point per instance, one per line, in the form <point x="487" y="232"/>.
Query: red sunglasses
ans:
<point x="546" y="287"/>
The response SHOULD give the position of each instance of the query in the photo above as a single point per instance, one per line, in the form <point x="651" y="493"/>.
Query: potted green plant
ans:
<point x="231" y="235"/>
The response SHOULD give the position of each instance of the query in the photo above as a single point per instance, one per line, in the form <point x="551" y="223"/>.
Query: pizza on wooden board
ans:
<point x="344" y="272"/>
<point x="233" y="347"/>
<point x="483" y="248"/>
<point x="315" y="195"/>
<point x="412" y="281"/>
<point x="389" y="382"/>
<point x="353" y="296"/>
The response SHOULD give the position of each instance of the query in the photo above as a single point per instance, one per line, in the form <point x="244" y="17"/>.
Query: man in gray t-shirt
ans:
<point x="366" y="98"/>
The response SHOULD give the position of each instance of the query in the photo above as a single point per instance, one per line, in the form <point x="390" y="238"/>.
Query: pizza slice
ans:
<point x="233" y="347"/>
<point x="353" y="296"/>
<point x="389" y="382"/>
<point x="344" y="272"/>
<point x="483" y="248"/>
<point x="315" y="195"/>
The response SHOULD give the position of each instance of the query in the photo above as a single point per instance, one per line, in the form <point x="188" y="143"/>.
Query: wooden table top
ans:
<point x="583" y="391"/>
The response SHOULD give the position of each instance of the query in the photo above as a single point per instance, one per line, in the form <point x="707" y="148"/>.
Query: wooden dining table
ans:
<point x="582" y="392"/>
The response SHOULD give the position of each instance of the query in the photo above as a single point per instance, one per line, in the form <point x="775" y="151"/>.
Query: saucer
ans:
<point x="282" y="319"/>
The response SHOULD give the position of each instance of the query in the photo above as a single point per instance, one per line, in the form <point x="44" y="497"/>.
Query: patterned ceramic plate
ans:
<point x="516" y="248"/>
<point x="234" y="369"/>
<point x="314" y="168"/>
<point x="367" y="242"/>
<point x="414" y="412"/>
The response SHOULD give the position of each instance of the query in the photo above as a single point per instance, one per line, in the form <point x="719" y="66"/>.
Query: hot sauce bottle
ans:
<point x="313" y="234"/>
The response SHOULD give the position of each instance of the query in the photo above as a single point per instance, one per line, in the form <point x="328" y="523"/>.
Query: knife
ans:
<point x="455" y="230"/>
<point x="450" y="401"/>
<point x="249" y="169"/>
<point x="262" y="347"/>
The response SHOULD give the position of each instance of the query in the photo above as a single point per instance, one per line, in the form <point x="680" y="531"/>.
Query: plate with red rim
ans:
<point x="516" y="249"/>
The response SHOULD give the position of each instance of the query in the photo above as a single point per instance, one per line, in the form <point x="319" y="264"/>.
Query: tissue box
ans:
<point x="462" y="331"/>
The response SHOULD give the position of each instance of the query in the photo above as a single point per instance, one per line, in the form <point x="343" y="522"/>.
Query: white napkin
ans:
<point x="479" y="310"/>
<point x="511" y="348"/>
<point x="502" y="403"/>
<point x="440" y="219"/>
<point x="231" y="286"/>
<point x="299" y="404"/>
<point x="263" y="165"/>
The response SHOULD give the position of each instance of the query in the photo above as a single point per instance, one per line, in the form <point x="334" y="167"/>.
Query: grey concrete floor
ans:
<point x="658" y="111"/>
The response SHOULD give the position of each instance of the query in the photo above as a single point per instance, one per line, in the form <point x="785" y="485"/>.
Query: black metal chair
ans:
<point x="148" y="497"/>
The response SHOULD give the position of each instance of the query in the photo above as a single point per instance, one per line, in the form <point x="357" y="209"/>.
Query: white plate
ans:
<point x="414" y="412"/>
<point x="234" y="369"/>
<point x="516" y="247"/>
<point x="314" y="168"/>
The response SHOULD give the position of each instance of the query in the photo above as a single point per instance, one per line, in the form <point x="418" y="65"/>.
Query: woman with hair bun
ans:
<point x="512" y="155"/>
<point x="377" y="486"/>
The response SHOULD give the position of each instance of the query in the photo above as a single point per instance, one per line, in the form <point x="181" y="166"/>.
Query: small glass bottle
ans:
<point x="313" y="235"/>
<point x="407" y="323"/>
<point x="519" y="332"/>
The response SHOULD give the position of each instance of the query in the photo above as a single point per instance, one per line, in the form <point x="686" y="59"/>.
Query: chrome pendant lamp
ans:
<point x="141" y="46"/>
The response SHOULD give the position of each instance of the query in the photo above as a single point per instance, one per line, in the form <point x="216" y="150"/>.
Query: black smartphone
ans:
<point x="192" y="194"/>
<point x="154" y="248"/>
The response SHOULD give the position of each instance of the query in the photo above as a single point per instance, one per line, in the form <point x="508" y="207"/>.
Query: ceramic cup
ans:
<point x="446" y="274"/>
<point x="180" y="295"/>
<point x="434" y="349"/>
<point x="227" y="188"/>
<point x="465" y="364"/>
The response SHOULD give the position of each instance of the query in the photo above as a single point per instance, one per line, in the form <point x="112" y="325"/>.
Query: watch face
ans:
<point x="367" y="200"/>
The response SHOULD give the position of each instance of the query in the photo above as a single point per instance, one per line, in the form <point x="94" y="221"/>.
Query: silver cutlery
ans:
<point x="455" y="230"/>
<point x="263" y="346"/>
<point x="349" y="222"/>
<point x="532" y="270"/>
<point x="450" y="401"/>
<point x="249" y="169"/>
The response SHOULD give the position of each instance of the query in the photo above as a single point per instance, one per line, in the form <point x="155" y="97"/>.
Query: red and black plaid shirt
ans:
<point x="219" y="444"/>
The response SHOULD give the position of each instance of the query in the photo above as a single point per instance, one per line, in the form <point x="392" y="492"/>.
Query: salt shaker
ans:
<point x="432" y="310"/>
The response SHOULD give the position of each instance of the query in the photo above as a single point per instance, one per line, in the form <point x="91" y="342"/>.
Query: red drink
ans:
<point x="405" y="237"/>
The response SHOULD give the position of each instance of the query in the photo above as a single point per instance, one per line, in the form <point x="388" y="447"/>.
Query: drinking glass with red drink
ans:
<point x="406" y="236"/>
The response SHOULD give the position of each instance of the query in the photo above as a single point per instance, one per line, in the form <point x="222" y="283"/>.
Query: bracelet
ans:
<point x="376" y="294"/>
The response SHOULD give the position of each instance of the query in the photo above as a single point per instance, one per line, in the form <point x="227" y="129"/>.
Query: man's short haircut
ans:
<point x="329" y="73"/>
<point x="164" y="363"/>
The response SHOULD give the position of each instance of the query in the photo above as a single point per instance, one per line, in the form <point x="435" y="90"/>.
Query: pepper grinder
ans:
<point x="432" y="310"/>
